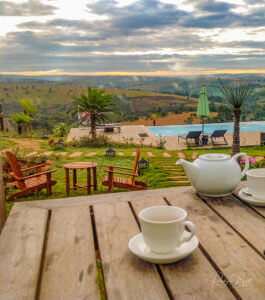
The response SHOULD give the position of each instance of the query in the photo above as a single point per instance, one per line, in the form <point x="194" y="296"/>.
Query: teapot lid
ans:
<point x="214" y="156"/>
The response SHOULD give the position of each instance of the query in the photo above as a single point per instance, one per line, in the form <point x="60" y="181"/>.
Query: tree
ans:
<point x="236" y="95"/>
<point x="29" y="109"/>
<point x="212" y="106"/>
<point x="155" y="117"/>
<point x="224" y="113"/>
<point x="189" y="120"/>
<point x="20" y="118"/>
<point x="96" y="103"/>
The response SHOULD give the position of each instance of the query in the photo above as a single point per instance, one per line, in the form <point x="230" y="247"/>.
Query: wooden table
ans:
<point x="81" y="166"/>
<point x="48" y="249"/>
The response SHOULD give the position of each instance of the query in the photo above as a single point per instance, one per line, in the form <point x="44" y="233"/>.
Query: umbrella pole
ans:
<point x="202" y="125"/>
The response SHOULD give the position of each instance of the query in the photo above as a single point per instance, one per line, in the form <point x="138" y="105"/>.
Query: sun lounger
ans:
<point x="218" y="134"/>
<point x="191" y="136"/>
<point x="109" y="127"/>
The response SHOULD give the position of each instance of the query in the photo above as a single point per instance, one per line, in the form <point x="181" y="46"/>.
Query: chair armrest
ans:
<point x="117" y="167"/>
<point x="36" y="175"/>
<point x="122" y="173"/>
<point x="31" y="168"/>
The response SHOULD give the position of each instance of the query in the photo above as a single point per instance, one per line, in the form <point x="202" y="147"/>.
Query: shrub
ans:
<point x="253" y="164"/>
<point x="161" y="143"/>
<point x="61" y="130"/>
<point x="88" y="141"/>
<point x="51" y="142"/>
<point x="102" y="141"/>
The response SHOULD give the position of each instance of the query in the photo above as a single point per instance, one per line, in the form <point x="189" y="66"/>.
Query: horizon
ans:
<point x="157" y="38"/>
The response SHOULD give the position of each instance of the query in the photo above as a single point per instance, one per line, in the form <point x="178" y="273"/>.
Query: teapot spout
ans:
<point x="191" y="169"/>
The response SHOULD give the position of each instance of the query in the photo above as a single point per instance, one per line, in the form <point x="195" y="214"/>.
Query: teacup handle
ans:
<point x="191" y="234"/>
<point x="236" y="156"/>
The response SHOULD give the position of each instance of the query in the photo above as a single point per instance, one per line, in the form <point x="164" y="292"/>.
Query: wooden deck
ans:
<point x="48" y="249"/>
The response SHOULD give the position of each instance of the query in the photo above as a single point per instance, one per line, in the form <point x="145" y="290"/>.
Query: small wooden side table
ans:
<point x="80" y="166"/>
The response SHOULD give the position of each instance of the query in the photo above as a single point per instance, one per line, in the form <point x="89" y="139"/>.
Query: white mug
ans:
<point x="256" y="183"/>
<point x="163" y="227"/>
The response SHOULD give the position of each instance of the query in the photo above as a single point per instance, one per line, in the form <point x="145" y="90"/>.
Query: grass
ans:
<point x="6" y="143"/>
<point x="155" y="177"/>
<point x="249" y="150"/>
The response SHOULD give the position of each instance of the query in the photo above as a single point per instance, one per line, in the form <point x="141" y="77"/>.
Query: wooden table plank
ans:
<point x="244" y="219"/>
<point x="21" y="244"/>
<point x="69" y="269"/>
<point x="240" y="264"/>
<point x="126" y="276"/>
<point x="105" y="198"/>
<point x="195" y="269"/>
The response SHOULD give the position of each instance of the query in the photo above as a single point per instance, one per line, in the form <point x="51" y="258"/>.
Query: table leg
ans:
<point x="74" y="179"/>
<point x="88" y="182"/>
<point x="67" y="182"/>
<point x="95" y="183"/>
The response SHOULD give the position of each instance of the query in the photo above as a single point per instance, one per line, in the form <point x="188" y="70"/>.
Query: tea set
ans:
<point x="217" y="175"/>
<point x="164" y="238"/>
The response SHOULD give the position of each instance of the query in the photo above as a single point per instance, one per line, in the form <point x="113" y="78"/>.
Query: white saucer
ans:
<point x="248" y="198"/>
<point x="137" y="246"/>
<point x="246" y="191"/>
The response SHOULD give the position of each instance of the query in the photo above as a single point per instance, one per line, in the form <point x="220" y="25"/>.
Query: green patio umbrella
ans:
<point x="203" y="106"/>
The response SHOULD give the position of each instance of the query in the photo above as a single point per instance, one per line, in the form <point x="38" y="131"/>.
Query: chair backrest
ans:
<point x="135" y="165"/>
<point x="14" y="164"/>
<point x="219" y="133"/>
<point x="193" y="134"/>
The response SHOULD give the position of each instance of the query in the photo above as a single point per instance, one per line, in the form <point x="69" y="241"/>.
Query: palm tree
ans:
<point x="155" y="117"/>
<point x="236" y="95"/>
<point x="96" y="103"/>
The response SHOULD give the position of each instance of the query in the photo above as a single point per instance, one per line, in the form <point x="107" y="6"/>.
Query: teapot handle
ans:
<point x="235" y="157"/>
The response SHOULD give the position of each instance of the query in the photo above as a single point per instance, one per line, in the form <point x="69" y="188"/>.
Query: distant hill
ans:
<point x="51" y="97"/>
<point x="171" y="119"/>
<point x="54" y="99"/>
<point x="137" y="96"/>
<point x="187" y="86"/>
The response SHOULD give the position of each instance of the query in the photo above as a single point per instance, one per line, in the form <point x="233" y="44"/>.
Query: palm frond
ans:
<point x="95" y="101"/>
<point x="236" y="94"/>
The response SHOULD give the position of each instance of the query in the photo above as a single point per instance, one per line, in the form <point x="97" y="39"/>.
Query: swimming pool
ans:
<point x="208" y="128"/>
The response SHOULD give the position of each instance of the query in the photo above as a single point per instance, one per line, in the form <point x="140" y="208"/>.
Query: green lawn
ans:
<point x="155" y="177"/>
<point x="5" y="143"/>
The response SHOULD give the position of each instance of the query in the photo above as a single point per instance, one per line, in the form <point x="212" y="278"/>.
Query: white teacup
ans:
<point x="256" y="183"/>
<point x="163" y="227"/>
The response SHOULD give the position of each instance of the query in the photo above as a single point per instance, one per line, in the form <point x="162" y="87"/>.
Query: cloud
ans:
<point x="29" y="8"/>
<point x="138" y="15"/>
<point x="145" y="36"/>
<point x="213" y="6"/>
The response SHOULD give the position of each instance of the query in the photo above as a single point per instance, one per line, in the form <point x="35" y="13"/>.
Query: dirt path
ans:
<point x="27" y="144"/>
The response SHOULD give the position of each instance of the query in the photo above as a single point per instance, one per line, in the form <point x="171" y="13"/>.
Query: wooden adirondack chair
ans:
<point x="122" y="182"/>
<point x="31" y="183"/>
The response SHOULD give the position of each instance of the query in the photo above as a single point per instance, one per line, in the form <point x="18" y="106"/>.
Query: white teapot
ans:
<point x="215" y="174"/>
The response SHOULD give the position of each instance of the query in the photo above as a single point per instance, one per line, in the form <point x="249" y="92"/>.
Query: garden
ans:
<point x="162" y="171"/>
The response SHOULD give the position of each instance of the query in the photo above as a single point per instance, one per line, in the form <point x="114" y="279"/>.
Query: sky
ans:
<point x="132" y="37"/>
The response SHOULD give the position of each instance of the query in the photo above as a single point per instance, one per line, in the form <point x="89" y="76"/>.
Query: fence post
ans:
<point x="2" y="199"/>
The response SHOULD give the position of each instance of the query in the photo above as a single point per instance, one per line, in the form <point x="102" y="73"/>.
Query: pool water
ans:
<point x="208" y="128"/>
